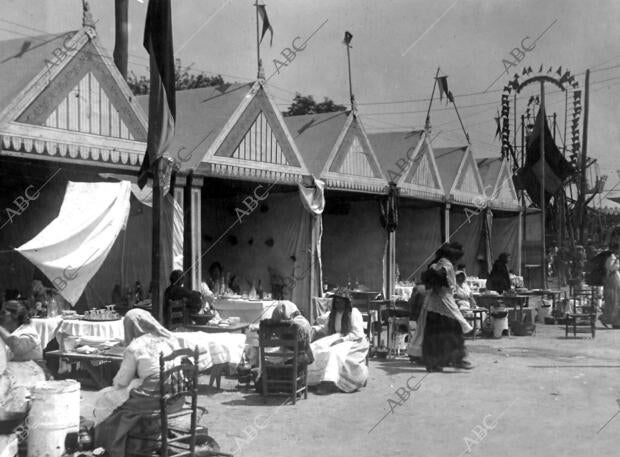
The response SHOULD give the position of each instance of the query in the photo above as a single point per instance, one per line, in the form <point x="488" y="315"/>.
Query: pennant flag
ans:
<point x="498" y="130"/>
<point x="262" y="11"/>
<point x="347" y="38"/>
<point x="557" y="168"/>
<point x="443" y="88"/>
<point x="162" y="100"/>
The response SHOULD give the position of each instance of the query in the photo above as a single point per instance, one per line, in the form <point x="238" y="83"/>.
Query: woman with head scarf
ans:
<point x="340" y="352"/>
<point x="135" y="388"/>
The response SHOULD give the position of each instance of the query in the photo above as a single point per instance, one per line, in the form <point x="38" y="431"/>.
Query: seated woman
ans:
<point x="340" y="352"/>
<point x="20" y="356"/>
<point x="135" y="388"/>
<point x="288" y="312"/>
<point x="462" y="293"/>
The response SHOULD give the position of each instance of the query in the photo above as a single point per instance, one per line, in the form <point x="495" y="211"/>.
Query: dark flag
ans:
<point x="557" y="168"/>
<point x="266" y="24"/>
<point x="443" y="88"/>
<point x="162" y="101"/>
<point x="347" y="38"/>
<point x="498" y="129"/>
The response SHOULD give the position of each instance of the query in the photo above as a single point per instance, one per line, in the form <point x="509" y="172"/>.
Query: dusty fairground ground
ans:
<point x="541" y="395"/>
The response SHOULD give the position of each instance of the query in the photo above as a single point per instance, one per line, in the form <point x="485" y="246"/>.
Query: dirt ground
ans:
<point x="540" y="395"/>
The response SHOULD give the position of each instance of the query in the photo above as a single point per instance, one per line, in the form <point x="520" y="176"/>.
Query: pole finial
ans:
<point x="87" y="17"/>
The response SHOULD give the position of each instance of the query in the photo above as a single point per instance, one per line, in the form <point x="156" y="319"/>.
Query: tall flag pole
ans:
<point x="261" y="13"/>
<point x="543" y="201"/>
<point x="427" y="124"/>
<point x="348" y="36"/>
<point x="442" y="82"/>
<point x="162" y="114"/>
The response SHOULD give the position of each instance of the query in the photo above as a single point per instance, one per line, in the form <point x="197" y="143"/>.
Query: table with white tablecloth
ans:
<point x="250" y="311"/>
<point x="46" y="328"/>
<point x="110" y="330"/>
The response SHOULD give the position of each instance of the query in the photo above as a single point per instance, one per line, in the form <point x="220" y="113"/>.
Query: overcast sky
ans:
<point x="397" y="47"/>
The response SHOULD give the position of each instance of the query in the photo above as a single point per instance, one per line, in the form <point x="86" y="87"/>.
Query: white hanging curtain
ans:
<point x="70" y="250"/>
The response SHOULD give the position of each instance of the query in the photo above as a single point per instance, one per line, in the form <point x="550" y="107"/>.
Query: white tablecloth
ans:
<point x="214" y="348"/>
<point x="46" y="328"/>
<point x="112" y="330"/>
<point x="250" y="311"/>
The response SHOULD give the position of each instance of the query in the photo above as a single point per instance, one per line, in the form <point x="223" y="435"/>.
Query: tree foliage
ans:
<point x="305" y="104"/>
<point x="184" y="78"/>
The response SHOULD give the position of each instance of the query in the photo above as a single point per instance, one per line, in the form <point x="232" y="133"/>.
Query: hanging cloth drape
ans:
<point x="70" y="250"/>
<point x="485" y="248"/>
<point x="308" y="266"/>
<point x="389" y="221"/>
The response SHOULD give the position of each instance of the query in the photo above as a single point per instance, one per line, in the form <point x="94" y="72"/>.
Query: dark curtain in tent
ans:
<point x="467" y="232"/>
<point x="506" y="237"/>
<point x="353" y="244"/>
<point x="17" y="272"/>
<point x="417" y="238"/>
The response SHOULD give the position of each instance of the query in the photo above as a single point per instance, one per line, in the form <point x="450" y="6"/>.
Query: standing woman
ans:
<point x="443" y="342"/>
<point x="611" y="291"/>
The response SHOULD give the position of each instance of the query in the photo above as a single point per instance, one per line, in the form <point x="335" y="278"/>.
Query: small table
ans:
<point x="478" y="315"/>
<point x="211" y="328"/>
<point x="96" y="371"/>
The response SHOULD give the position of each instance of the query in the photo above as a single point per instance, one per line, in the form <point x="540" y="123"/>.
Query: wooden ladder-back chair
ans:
<point x="282" y="377"/>
<point x="178" y="381"/>
<point x="175" y="314"/>
<point x="582" y="316"/>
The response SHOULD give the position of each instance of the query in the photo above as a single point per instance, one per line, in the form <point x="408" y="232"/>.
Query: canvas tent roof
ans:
<point x="460" y="176"/>
<point x="407" y="159"/>
<point x="63" y="99"/>
<point x="498" y="184"/>
<point x="337" y="149"/>
<point x="234" y="131"/>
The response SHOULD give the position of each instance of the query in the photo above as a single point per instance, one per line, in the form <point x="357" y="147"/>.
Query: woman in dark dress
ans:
<point x="499" y="279"/>
<point x="443" y="343"/>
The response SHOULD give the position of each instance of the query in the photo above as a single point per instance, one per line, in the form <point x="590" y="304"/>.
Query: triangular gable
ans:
<point x="352" y="163"/>
<point x="504" y="187"/>
<point x="424" y="171"/>
<point x="255" y="138"/>
<point x="78" y="106"/>
<point x="353" y="154"/>
<point x="468" y="178"/>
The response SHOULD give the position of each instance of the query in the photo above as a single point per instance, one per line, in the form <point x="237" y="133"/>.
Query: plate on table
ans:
<point x="90" y="319"/>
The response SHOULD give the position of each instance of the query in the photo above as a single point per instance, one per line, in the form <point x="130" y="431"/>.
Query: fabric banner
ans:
<point x="70" y="250"/>
<point x="311" y="284"/>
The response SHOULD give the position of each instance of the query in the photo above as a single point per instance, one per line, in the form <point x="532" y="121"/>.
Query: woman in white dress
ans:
<point x="340" y="352"/>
